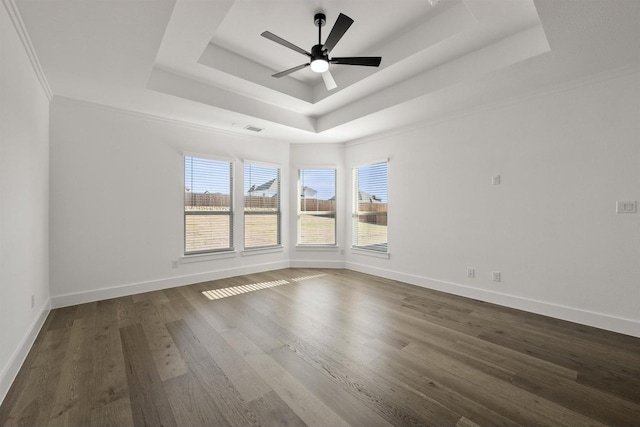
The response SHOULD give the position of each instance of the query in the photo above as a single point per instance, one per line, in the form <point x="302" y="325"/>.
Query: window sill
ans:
<point x="261" y="251"/>
<point x="317" y="248"/>
<point x="375" y="254"/>
<point x="187" y="259"/>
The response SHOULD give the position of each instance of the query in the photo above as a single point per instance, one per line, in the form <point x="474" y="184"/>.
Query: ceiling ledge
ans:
<point x="173" y="84"/>
<point x="246" y="70"/>
<point x="516" y="48"/>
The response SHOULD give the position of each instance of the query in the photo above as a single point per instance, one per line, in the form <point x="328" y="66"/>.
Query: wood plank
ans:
<point x="411" y="373"/>
<point x="113" y="414"/>
<point x="350" y="408"/>
<point x="149" y="402"/>
<point x="304" y="403"/>
<point x="126" y="311"/>
<point x="34" y="395"/>
<point x="191" y="404"/>
<point x="73" y="397"/>
<point x="63" y="317"/>
<point x="245" y="380"/>
<point x="210" y="378"/>
<point x="109" y="372"/>
<point x="166" y="356"/>
<point x="273" y="411"/>
<point x="385" y="397"/>
<point x="154" y="297"/>
<point x="502" y="393"/>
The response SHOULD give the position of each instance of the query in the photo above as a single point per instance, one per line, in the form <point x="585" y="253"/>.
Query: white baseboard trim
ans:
<point x="316" y="264"/>
<point x="10" y="370"/>
<point x="65" y="300"/>
<point x="598" y="320"/>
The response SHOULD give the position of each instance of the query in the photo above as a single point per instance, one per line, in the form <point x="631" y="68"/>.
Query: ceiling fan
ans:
<point x="319" y="59"/>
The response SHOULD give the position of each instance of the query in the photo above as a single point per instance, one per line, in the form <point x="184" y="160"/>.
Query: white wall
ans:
<point x="550" y="227"/>
<point x="24" y="202"/>
<point x="319" y="156"/>
<point x="117" y="189"/>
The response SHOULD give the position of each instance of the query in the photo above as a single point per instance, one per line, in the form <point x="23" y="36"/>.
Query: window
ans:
<point x="261" y="206"/>
<point x="370" y="207"/>
<point x="317" y="207"/>
<point x="208" y="205"/>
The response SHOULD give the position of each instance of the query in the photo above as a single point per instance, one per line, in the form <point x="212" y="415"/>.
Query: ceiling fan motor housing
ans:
<point x="318" y="52"/>
<point x="319" y="19"/>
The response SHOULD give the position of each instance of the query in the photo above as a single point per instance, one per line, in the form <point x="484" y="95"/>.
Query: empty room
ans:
<point x="320" y="213"/>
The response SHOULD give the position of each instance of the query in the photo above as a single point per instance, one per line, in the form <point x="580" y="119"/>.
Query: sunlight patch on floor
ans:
<point x="300" y="279"/>
<point x="214" y="294"/>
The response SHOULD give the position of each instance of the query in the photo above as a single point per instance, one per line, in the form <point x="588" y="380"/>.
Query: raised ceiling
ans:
<point x="204" y="62"/>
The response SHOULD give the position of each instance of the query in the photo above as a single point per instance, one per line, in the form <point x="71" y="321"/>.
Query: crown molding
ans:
<point x="16" y="19"/>
<point x="161" y="119"/>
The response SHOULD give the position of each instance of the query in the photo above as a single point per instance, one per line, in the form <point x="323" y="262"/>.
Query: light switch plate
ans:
<point x="626" y="206"/>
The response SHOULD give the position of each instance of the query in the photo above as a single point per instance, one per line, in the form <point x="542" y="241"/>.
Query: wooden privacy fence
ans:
<point x="206" y="199"/>
<point x="372" y="213"/>
<point x="218" y="200"/>
<point x="314" y="205"/>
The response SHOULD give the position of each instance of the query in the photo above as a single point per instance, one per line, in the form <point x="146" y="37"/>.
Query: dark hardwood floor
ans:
<point x="320" y="348"/>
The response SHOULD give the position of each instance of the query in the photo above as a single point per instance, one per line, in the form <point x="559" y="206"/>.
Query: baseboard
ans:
<point x="598" y="320"/>
<point x="65" y="300"/>
<point x="571" y="314"/>
<point x="316" y="264"/>
<point x="14" y="364"/>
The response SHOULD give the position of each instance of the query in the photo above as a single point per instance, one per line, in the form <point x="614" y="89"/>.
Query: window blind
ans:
<point x="261" y="206"/>
<point x="208" y="205"/>
<point x="370" y="192"/>
<point x="317" y="207"/>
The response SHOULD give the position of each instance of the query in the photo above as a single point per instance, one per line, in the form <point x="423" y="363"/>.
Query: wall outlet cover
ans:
<point x="626" y="206"/>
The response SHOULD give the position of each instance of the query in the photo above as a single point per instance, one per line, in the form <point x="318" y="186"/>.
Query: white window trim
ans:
<point x="370" y="252"/>
<point x="316" y="246"/>
<point x="188" y="259"/>
<point x="232" y="213"/>
<point x="263" y="249"/>
<point x="354" y="209"/>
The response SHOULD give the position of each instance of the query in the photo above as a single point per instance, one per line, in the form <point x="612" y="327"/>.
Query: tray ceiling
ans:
<point x="204" y="61"/>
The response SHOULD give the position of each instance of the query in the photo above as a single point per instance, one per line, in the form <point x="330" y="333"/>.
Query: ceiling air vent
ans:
<point x="246" y="127"/>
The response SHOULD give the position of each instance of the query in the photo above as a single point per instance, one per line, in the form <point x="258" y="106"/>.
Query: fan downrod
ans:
<point x="319" y="19"/>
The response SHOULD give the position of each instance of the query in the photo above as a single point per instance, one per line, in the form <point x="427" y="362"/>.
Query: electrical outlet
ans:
<point x="497" y="276"/>
<point x="495" y="180"/>
<point x="33" y="301"/>
<point x="471" y="272"/>
<point x="174" y="264"/>
<point x="626" y="206"/>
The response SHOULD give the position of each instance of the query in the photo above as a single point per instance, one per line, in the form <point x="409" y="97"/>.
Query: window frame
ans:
<point x="299" y="188"/>
<point x="230" y="213"/>
<point x="277" y="212"/>
<point x="356" y="213"/>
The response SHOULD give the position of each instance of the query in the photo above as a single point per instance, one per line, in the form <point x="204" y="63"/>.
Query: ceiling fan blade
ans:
<point x="328" y="80"/>
<point x="284" y="43"/>
<point x="289" y="71"/>
<point x="367" y="61"/>
<point x="339" y="28"/>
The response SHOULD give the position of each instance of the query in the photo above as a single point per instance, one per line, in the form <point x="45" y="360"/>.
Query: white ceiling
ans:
<point x="204" y="61"/>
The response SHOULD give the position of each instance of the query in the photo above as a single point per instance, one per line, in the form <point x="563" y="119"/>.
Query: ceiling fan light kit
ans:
<point x="319" y="56"/>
